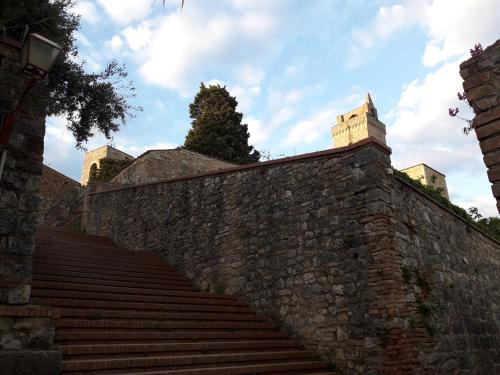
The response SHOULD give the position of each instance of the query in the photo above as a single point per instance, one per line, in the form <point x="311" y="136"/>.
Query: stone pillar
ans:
<point x="26" y="331"/>
<point x="19" y="183"/>
<point x="481" y="76"/>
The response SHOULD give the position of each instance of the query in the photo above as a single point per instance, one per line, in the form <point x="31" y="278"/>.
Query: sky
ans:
<point x="293" y="66"/>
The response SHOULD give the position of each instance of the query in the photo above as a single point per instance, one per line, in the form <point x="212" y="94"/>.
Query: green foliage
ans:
<point x="489" y="225"/>
<point x="89" y="101"/>
<point x="216" y="127"/>
<point x="109" y="168"/>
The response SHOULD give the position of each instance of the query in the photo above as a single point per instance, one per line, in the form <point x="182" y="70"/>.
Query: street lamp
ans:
<point x="38" y="57"/>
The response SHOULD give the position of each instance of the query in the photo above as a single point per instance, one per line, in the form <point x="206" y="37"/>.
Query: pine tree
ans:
<point x="216" y="127"/>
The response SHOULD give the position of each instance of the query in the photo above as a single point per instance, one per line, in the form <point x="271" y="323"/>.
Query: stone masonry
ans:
<point x="481" y="76"/>
<point x="26" y="332"/>
<point x="157" y="165"/>
<point x="358" y="124"/>
<point x="59" y="195"/>
<point x="354" y="263"/>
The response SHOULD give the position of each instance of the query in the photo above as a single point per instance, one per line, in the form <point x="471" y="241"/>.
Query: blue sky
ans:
<point x="293" y="66"/>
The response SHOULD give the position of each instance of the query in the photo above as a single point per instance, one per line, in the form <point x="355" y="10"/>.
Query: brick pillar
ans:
<point x="481" y="76"/>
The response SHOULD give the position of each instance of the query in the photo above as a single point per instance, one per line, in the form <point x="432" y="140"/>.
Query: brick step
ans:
<point x="112" y="283"/>
<point x="188" y="300"/>
<point x="54" y="234"/>
<point x="99" y="264"/>
<point x="65" y="247"/>
<point x="69" y="302"/>
<point x="161" y="324"/>
<point x="184" y="360"/>
<point x="41" y="267"/>
<point x="114" y="289"/>
<point x="155" y="315"/>
<point x="94" y="275"/>
<point x="174" y="347"/>
<point x="275" y="367"/>
<point x="95" y="256"/>
<point x="143" y="336"/>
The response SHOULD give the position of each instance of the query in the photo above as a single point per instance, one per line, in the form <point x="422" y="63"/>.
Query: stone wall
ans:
<point x="315" y="243"/>
<point x="481" y="76"/>
<point x="158" y="165"/>
<point x="451" y="281"/>
<point x="26" y="339"/>
<point x="59" y="195"/>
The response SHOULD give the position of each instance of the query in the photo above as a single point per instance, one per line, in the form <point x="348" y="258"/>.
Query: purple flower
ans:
<point x="462" y="96"/>
<point x="477" y="50"/>
<point x="452" y="112"/>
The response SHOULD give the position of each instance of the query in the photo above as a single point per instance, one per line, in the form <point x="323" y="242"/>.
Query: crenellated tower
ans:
<point x="358" y="124"/>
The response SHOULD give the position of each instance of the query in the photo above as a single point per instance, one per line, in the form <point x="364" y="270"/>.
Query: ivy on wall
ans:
<point x="489" y="225"/>
<point x="109" y="168"/>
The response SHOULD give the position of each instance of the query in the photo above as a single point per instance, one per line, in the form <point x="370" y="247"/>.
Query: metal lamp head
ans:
<point x="39" y="55"/>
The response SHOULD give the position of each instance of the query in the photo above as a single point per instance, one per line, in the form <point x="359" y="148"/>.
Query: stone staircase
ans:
<point x="124" y="312"/>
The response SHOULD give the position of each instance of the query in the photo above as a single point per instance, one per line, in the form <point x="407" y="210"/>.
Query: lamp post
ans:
<point x="38" y="57"/>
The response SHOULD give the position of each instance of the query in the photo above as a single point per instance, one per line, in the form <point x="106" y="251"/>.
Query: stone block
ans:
<point x="487" y="130"/>
<point x="494" y="173"/>
<point x="492" y="158"/>
<point x="487" y="116"/>
<point x="490" y="144"/>
<point x="23" y="362"/>
<point x="477" y="79"/>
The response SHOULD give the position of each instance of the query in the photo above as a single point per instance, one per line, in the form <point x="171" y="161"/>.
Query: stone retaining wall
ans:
<point x="317" y="244"/>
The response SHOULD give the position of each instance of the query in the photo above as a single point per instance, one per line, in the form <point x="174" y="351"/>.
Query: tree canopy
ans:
<point x="89" y="101"/>
<point x="216" y="127"/>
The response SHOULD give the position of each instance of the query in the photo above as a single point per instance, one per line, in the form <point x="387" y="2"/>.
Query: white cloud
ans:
<point x="452" y="27"/>
<point x="87" y="10"/>
<point x="114" y="44"/>
<point x="125" y="11"/>
<point x="486" y="204"/>
<point x="455" y="26"/>
<point x="318" y="125"/>
<point x="137" y="37"/>
<point x="177" y="50"/>
<point x="388" y="21"/>
<point x="422" y="131"/>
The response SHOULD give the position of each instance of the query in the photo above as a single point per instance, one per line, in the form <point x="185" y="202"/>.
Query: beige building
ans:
<point x="92" y="160"/>
<point x="428" y="176"/>
<point x="358" y="124"/>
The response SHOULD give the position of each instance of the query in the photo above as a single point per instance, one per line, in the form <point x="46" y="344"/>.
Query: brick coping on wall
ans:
<point x="407" y="184"/>
<point x="290" y="159"/>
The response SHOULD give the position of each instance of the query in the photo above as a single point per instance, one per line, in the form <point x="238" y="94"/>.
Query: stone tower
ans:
<point x="358" y="124"/>
<point x="92" y="160"/>
<point x="428" y="176"/>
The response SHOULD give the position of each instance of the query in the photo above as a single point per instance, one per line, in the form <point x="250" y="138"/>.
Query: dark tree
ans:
<point x="89" y="101"/>
<point x="216" y="127"/>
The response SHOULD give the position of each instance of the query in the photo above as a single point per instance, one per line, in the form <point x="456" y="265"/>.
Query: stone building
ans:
<point x="157" y="165"/>
<point x="428" y="176"/>
<point x="358" y="124"/>
<point x="93" y="159"/>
